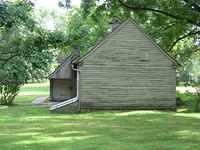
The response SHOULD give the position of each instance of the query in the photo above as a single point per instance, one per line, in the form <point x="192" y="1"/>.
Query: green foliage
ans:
<point x="190" y="70"/>
<point x="167" y="21"/>
<point x="14" y="13"/>
<point x="179" y="101"/>
<point x="23" y="56"/>
<point x="81" y="33"/>
<point x="26" y="50"/>
<point x="8" y="91"/>
<point x="189" y="74"/>
<point x="197" y="108"/>
<point x="72" y="30"/>
<point x="189" y="100"/>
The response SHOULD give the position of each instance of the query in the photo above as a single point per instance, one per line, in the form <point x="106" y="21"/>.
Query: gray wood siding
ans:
<point x="127" y="71"/>
<point x="62" y="89"/>
<point x="65" y="72"/>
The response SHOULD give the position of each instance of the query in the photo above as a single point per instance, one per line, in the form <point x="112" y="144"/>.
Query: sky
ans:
<point x="53" y="4"/>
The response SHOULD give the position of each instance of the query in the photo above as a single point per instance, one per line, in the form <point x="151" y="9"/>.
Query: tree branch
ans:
<point x="169" y="25"/>
<point x="158" y="11"/>
<point x="193" y="4"/>
<point x="7" y="52"/>
<point x="7" y="60"/>
<point x="196" y="50"/>
<point x="181" y="38"/>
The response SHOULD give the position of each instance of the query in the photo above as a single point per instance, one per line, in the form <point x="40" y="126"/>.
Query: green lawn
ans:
<point x="189" y="102"/>
<point x="23" y="128"/>
<point x="29" y="92"/>
<point x="39" y="87"/>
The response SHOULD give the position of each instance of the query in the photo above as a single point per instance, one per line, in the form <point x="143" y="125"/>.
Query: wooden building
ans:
<point x="126" y="70"/>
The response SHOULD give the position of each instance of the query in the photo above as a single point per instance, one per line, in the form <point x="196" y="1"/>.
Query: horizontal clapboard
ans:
<point x="117" y="75"/>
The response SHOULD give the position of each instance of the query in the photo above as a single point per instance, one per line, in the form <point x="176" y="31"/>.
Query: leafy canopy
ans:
<point x="26" y="50"/>
<point x="169" y="22"/>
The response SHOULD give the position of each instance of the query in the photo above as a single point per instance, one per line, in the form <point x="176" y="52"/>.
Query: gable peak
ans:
<point x="75" y="54"/>
<point x="116" y="22"/>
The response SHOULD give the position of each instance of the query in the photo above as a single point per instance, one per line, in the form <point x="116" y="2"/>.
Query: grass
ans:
<point x="189" y="100"/>
<point x="39" y="87"/>
<point x="29" y="92"/>
<point x="32" y="128"/>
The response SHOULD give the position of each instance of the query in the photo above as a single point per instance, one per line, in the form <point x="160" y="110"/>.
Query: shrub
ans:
<point x="198" y="100"/>
<point x="8" y="91"/>
<point x="179" y="101"/>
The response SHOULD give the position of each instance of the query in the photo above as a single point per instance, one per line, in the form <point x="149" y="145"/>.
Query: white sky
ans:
<point x="53" y="4"/>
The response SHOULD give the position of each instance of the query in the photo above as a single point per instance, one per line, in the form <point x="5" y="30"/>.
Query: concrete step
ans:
<point x="69" y="108"/>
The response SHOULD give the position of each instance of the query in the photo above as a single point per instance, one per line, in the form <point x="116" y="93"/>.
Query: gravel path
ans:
<point x="39" y="100"/>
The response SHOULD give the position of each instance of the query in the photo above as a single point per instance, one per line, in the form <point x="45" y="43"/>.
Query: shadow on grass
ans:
<point x="189" y="100"/>
<point x="36" y="128"/>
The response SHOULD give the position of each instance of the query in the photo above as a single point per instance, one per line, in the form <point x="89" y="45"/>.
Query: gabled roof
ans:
<point x="109" y="35"/>
<point x="65" y="60"/>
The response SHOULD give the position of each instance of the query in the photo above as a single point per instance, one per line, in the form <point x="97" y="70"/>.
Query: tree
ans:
<point x="81" y="33"/>
<point x="16" y="13"/>
<point x="25" y="49"/>
<point x="176" y="20"/>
